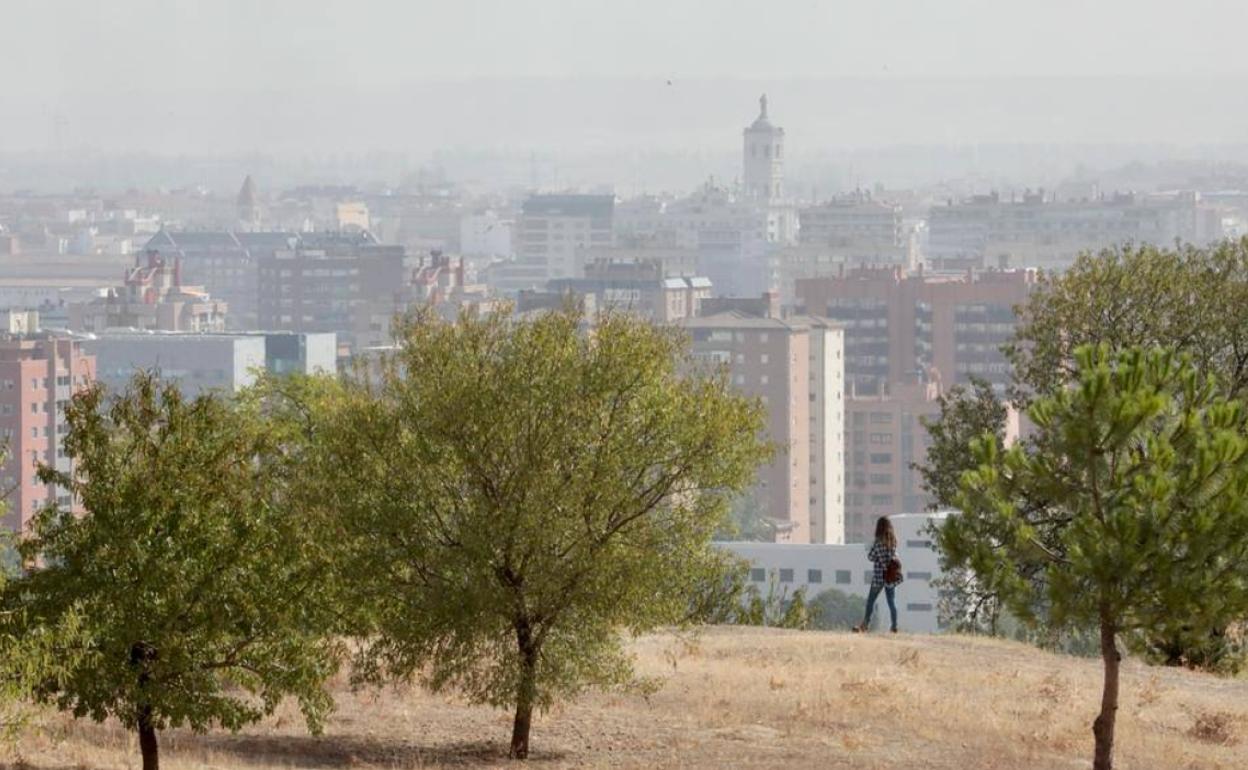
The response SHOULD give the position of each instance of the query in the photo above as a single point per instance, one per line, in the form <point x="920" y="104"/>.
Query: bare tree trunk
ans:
<point x="1103" y="727"/>
<point x="526" y="692"/>
<point x="148" y="745"/>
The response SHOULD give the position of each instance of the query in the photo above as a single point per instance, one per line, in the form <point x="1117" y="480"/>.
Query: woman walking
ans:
<point x="886" y="574"/>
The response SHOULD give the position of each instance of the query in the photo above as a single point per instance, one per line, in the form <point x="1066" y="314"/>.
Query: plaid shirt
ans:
<point x="880" y="555"/>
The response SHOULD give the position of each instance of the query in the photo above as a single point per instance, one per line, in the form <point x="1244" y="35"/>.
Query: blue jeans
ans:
<point x="890" y="593"/>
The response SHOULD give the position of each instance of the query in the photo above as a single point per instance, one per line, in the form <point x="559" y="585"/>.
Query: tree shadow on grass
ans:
<point x="332" y="751"/>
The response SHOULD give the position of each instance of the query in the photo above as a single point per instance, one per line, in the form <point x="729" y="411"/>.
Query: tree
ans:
<point x="834" y="610"/>
<point x="188" y="590"/>
<point x="1128" y="513"/>
<point x="1188" y="299"/>
<point x="514" y="493"/>
<point x="966" y="414"/>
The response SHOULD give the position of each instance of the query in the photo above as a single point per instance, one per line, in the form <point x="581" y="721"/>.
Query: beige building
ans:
<point x="153" y="298"/>
<point x="884" y="439"/>
<point x="551" y="237"/>
<point x="795" y="366"/>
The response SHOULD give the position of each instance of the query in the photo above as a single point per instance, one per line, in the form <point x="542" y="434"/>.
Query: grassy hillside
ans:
<point x="755" y="698"/>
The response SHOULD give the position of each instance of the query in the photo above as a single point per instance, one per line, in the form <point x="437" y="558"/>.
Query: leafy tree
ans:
<point x="834" y="610"/>
<point x="188" y="589"/>
<point x="514" y="493"/>
<point x="796" y="612"/>
<point x="1188" y="299"/>
<point x="1129" y="512"/>
<point x="966" y="414"/>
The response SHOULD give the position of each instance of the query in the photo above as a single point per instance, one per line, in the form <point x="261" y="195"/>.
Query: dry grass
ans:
<point x="749" y="698"/>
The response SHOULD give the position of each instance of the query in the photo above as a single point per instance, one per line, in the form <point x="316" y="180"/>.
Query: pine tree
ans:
<point x="1129" y="512"/>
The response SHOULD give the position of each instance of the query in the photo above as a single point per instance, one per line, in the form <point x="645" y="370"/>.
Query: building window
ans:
<point x="919" y="607"/>
<point x="34" y="408"/>
<point x="918" y="576"/>
<point x="758" y="574"/>
<point x="868" y="576"/>
<point x="814" y="576"/>
<point x="764" y="379"/>
<point x="918" y="543"/>
<point x="786" y="576"/>
<point x="843" y="577"/>
<point x="764" y="358"/>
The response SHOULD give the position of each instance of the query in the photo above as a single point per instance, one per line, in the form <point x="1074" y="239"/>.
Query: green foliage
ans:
<point x="188" y="593"/>
<point x="531" y="491"/>
<point x="965" y="416"/>
<point x="1186" y="299"/>
<point x="1128" y="513"/>
<point x="834" y="610"/>
<point x="796" y="613"/>
<point x="1222" y="650"/>
<point x="1190" y="300"/>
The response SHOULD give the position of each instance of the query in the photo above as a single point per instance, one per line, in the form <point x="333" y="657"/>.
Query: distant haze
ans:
<point x="289" y="78"/>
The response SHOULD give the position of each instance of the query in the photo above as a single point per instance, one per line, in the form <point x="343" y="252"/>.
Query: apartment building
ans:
<point x="848" y="231"/>
<point x="815" y="568"/>
<point x="344" y="282"/>
<point x="794" y="366"/>
<point x="39" y="372"/>
<point x="901" y="327"/>
<point x="638" y="286"/>
<point x="152" y="297"/>
<point x="551" y="235"/>
<point x="1035" y="230"/>
<point x="199" y="363"/>
<point x="728" y="235"/>
<point x="224" y="263"/>
<point x="884" y="439"/>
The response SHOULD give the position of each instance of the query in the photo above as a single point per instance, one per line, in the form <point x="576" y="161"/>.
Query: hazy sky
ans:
<point x="59" y="45"/>
<point x="321" y="75"/>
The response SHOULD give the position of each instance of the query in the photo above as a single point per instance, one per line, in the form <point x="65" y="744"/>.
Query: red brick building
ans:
<point x="39" y="372"/>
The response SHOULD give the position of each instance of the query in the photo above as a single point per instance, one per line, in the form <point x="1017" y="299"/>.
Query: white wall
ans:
<point x="916" y="598"/>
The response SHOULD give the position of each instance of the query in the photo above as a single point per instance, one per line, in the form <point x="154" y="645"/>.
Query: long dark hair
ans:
<point x="884" y="533"/>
